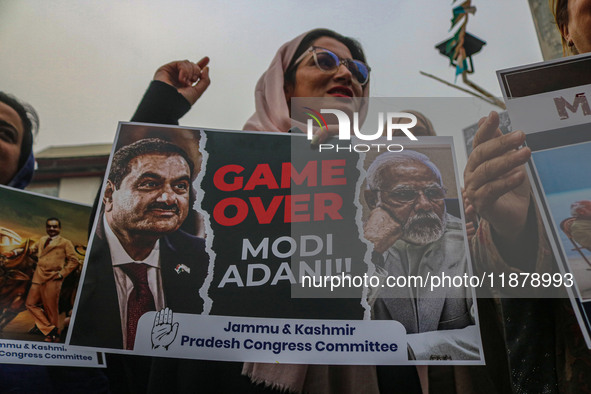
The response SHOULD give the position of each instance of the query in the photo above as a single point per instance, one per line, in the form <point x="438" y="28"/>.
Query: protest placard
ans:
<point x="42" y="245"/>
<point x="227" y="226"/>
<point x="548" y="101"/>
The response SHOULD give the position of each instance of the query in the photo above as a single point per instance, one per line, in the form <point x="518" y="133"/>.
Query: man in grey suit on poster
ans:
<point x="413" y="235"/>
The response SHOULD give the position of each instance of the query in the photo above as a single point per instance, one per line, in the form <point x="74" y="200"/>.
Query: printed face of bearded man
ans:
<point x="412" y="195"/>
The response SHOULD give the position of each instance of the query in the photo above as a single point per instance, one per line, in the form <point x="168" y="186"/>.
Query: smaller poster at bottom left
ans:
<point x="42" y="246"/>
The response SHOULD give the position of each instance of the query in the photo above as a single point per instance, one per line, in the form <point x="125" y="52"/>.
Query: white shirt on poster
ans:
<point x="124" y="285"/>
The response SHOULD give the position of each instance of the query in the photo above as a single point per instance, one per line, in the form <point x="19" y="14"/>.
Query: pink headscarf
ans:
<point x="271" y="110"/>
<point x="272" y="114"/>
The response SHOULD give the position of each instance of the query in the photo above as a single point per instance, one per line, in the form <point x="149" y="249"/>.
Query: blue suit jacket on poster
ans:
<point x="97" y="321"/>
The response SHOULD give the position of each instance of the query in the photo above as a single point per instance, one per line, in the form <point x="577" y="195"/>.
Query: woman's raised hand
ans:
<point x="190" y="79"/>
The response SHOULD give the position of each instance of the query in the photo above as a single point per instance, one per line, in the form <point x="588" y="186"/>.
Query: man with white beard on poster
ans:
<point x="413" y="235"/>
